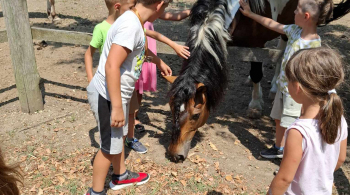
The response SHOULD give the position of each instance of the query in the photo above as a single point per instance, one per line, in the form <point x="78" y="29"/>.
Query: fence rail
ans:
<point x="82" y="38"/>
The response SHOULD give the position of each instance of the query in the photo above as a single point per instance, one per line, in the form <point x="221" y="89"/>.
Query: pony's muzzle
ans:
<point x="179" y="158"/>
<point x="176" y="156"/>
<point x="179" y="153"/>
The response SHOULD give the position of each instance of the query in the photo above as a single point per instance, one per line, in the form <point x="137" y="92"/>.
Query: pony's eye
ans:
<point x="195" y="116"/>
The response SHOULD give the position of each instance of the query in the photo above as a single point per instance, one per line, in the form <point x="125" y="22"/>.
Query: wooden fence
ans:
<point x="20" y="36"/>
<point x="82" y="38"/>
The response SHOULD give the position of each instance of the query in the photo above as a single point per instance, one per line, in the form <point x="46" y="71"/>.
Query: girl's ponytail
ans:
<point x="330" y="115"/>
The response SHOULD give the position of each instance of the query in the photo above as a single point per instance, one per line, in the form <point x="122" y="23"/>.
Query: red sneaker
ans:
<point x="133" y="178"/>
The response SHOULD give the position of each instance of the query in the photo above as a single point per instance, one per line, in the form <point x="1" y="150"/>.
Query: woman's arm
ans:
<point x="181" y="51"/>
<point x="175" y="16"/>
<point x="291" y="159"/>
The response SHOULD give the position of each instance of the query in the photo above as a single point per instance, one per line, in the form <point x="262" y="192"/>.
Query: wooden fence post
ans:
<point x="22" y="54"/>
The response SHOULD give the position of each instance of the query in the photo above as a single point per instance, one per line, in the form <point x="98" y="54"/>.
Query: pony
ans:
<point x="202" y="79"/>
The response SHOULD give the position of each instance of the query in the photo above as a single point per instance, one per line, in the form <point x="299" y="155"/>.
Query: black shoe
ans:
<point x="89" y="192"/>
<point x="272" y="153"/>
<point x="139" y="128"/>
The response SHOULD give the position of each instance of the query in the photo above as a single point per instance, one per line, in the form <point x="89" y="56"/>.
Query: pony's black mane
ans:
<point x="207" y="64"/>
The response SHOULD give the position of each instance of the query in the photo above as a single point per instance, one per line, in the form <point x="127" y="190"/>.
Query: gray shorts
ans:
<point x="285" y="109"/>
<point x="111" y="139"/>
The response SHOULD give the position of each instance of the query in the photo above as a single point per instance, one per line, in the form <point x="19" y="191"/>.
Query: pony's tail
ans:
<point x="340" y="9"/>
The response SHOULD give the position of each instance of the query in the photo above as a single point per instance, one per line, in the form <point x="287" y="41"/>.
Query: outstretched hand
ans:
<point x="246" y="8"/>
<point x="182" y="51"/>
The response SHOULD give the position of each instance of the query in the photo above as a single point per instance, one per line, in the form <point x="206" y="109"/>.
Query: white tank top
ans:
<point x="315" y="172"/>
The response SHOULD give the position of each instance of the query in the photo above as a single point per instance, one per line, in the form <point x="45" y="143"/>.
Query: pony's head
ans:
<point x="192" y="115"/>
<point x="202" y="80"/>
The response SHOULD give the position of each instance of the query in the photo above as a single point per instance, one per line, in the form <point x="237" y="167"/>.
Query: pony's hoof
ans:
<point x="254" y="113"/>
<point x="56" y="20"/>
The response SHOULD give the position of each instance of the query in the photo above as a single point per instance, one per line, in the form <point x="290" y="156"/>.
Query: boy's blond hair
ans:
<point x="320" y="10"/>
<point x="150" y="2"/>
<point x="110" y="3"/>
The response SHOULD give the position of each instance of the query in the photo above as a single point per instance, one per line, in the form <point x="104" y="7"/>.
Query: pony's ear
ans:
<point x="200" y="98"/>
<point x="201" y="85"/>
<point x="170" y="79"/>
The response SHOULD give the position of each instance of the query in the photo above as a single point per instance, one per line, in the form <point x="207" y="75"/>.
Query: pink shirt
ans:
<point x="315" y="171"/>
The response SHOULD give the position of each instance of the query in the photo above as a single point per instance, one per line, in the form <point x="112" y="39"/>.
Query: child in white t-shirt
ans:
<point x="111" y="88"/>
<point x="316" y="142"/>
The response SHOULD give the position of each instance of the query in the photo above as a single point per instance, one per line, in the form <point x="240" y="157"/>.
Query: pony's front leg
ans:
<point x="282" y="43"/>
<point x="257" y="102"/>
<point x="51" y="12"/>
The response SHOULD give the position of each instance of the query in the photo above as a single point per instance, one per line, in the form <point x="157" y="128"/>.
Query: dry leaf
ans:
<point x="57" y="129"/>
<point x="23" y="158"/>
<point x="164" y="184"/>
<point x="226" y="191"/>
<point x="237" y="142"/>
<point x="213" y="146"/>
<point x="33" y="189"/>
<point x="228" y="178"/>
<point x="216" y="164"/>
<point x="41" y="192"/>
<point x="174" y="174"/>
<point x="62" y="179"/>
<point x="238" y="179"/>
<point x="190" y="155"/>
<point x="183" y="182"/>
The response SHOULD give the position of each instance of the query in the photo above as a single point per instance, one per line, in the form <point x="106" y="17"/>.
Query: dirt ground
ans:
<point x="54" y="146"/>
